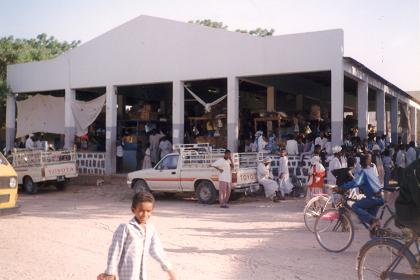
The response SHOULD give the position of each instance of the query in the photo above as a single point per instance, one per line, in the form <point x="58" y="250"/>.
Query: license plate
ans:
<point x="60" y="179"/>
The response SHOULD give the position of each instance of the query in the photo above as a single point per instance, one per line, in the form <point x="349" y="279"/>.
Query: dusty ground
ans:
<point x="65" y="235"/>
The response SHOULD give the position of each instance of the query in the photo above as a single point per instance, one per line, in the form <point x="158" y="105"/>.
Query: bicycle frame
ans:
<point x="389" y="274"/>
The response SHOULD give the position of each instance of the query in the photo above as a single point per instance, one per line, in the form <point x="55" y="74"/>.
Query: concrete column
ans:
<point x="69" y="124"/>
<point x="178" y="104"/>
<point x="380" y="112"/>
<point x="394" y="119"/>
<point x="233" y="113"/>
<point x="10" y="121"/>
<point x="111" y="130"/>
<point x="362" y="108"/>
<point x="270" y="99"/>
<point x="337" y="105"/>
<point x="413" y="124"/>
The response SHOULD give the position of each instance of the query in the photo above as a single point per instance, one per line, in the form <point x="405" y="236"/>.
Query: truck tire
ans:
<point x="29" y="185"/>
<point x="60" y="186"/>
<point x="206" y="193"/>
<point x="140" y="186"/>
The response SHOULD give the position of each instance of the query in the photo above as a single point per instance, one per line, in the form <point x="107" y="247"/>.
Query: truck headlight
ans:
<point x="12" y="182"/>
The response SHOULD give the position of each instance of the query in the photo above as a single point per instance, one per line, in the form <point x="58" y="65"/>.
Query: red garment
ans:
<point x="316" y="175"/>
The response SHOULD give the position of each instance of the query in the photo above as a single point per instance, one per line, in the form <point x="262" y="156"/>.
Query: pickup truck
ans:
<point x="35" y="167"/>
<point x="189" y="171"/>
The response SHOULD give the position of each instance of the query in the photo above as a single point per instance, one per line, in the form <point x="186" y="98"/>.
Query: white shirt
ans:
<point x="263" y="171"/>
<point x="333" y="165"/>
<point x="283" y="166"/>
<point x="328" y="148"/>
<point x="223" y="164"/>
<point x="29" y="144"/>
<point x="411" y="155"/>
<point x="321" y="142"/>
<point x="120" y="151"/>
<point x="400" y="161"/>
<point x="261" y="144"/>
<point x="292" y="147"/>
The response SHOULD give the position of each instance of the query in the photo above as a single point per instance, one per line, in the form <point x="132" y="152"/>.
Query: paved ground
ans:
<point x="65" y="235"/>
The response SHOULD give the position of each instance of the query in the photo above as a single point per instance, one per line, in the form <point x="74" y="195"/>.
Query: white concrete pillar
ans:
<point x="178" y="104"/>
<point x="413" y="124"/>
<point x="10" y="121"/>
<point x="362" y="108"/>
<point x="270" y="99"/>
<point x="69" y="124"/>
<point x="111" y="130"/>
<point x="380" y="112"/>
<point x="394" y="120"/>
<point x="337" y="105"/>
<point x="233" y="113"/>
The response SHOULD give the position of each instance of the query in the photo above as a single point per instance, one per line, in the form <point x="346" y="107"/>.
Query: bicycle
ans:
<point x="317" y="205"/>
<point x="388" y="258"/>
<point x="334" y="229"/>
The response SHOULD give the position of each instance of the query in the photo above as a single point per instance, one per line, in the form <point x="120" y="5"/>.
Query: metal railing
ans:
<point x="25" y="157"/>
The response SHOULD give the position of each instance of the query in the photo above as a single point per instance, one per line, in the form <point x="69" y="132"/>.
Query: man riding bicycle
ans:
<point x="367" y="180"/>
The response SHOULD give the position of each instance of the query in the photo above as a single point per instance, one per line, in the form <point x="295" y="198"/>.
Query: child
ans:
<point x="316" y="177"/>
<point x="133" y="241"/>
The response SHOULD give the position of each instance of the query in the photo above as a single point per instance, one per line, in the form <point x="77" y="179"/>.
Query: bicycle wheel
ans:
<point x="312" y="210"/>
<point x="385" y="258"/>
<point x="334" y="231"/>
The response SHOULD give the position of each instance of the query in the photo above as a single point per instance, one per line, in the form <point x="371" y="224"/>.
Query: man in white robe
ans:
<point x="265" y="178"/>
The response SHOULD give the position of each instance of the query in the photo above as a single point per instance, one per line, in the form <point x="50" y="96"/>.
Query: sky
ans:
<point x="384" y="35"/>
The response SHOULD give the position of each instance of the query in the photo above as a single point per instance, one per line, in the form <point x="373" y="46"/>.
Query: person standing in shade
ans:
<point x="224" y="166"/>
<point x="285" y="186"/>
<point x="147" y="162"/>
<point x="29" y="143"/>
<point x="377" y="160"/>
<point x="335" y="163"/>
<point x="120" y="155"/>
<point x="411" y="153"/>
<point x="401" y="162"/>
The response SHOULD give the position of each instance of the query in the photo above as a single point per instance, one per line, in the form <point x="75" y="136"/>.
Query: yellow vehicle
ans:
<point x="8" y="186"/>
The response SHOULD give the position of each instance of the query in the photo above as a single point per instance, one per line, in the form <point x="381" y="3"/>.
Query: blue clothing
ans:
<point x="365" y="181"/>
<point x="367" y="208"/>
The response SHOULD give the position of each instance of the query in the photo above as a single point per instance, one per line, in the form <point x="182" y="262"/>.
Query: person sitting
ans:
<point x="265" y="178"/>
<point x="368" y="181"/>
<point x="292" y="146"/>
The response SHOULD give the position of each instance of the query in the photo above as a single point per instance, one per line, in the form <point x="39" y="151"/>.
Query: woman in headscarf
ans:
<point x="316" y="177"/>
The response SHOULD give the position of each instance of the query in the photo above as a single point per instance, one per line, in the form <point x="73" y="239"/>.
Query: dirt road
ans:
<point x="65" y="235"/>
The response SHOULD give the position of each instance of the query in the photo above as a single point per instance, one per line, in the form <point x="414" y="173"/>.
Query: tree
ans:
<point x="14" y="51"/>
<point x="261" y="32"/>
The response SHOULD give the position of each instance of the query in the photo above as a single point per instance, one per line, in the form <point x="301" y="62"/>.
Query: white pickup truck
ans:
<point x="189" y="170"/>
<point x="35" y="167"/>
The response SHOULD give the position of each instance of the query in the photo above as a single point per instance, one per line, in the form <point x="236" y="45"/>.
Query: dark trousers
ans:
<point x="119" y="164"/>
<point x="367" y="208"/>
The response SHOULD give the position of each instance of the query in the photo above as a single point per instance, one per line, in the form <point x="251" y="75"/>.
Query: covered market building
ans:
<point x="200" y="84"/>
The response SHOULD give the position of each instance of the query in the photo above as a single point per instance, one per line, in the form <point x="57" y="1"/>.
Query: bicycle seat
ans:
<point x="391" y="189"/>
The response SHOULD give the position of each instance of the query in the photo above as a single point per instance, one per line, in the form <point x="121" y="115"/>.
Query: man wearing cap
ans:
<point x="265" y="178"/>
<point x="335" y="163"/>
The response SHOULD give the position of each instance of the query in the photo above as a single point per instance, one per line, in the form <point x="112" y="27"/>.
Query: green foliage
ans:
<point x="13" y="50"/>
<point x="261" y="32"/>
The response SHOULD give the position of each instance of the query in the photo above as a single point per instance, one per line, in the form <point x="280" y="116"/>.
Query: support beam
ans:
<point x="69" y="124"/>
<point x="362" y="108"/>
<point x="178" y="96"/>
<point x="380" y="112"/>
<point x="413" y="124"/>
<point x="337" y="105"/>
<point x="10" y="121"/>
<point x="394" y="120"/>
<point x="270" y="99"/>
<point x="111" y="130"/>
<point x="233" y="113"/>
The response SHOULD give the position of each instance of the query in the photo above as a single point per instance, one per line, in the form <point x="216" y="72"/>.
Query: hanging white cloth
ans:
<point x="207" y="106"/>
<point x="40" y="113"/>
<point x="85" y="113"/>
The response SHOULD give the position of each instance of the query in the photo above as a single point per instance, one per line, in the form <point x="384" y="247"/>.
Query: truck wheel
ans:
<point x="206" y="193"/>
<point x="30" y="186"/>
<point x="140" y="186"/>
<point x="60" y="186"/>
